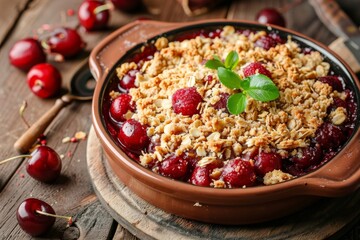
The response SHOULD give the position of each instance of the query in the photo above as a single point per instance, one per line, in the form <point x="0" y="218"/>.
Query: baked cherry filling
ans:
<point x="169" y="112"/>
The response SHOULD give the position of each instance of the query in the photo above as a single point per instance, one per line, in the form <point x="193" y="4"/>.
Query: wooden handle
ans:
<point x="334" y="18"/>
<point x="26" y="141"/>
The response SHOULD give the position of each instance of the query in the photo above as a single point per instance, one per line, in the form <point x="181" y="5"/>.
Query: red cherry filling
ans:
<point x="26" y="53"/>
<point x="239" y="173"/>
<point x="222" y="103"/>
<point x="329" y="136"/>
<point x="333" y="81"/>
<point x="255" y="67"/>
<point x="175" y="167"/>
<point x="32" y="222"/>
<point x="44" y="164"/>
<point x="44" y="80"/>
<point x="64" y="41"/>
<point x="133" y="135"/>
<point x="93" y="15"/>
<point x="186" y="101"/>
<point x="265" y="42"/>
<point x="120" y="106"/>
<point x="267" y="162"/>
<point x="270" y="16"/>
<point x="128" y="80"/>
<point x="307" y="157"/>
<point x="201" y="174"/>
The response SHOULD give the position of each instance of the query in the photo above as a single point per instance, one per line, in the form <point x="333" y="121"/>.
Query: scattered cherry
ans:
<point x="26" y="53"/>
<point x="255" y="67"/>
<point x="186" y="101"/>
<point x="175" y="167"/>
<point x="128" y="80"/>
<point x="120" y="106"/>
<point x="239" y="173"/>
<point x="133" y="135"/>
<point x="127" y="5"/>
<point x="270" y="16"/>
<point x="94" y="15"/>
<point x="267" y="162"/>
<point x="44" y="80"/>
<point x="36" y="217"/>
<point x="333" y="81"/>
<point x="43" y="164"/>
<point x="63" y="41"/>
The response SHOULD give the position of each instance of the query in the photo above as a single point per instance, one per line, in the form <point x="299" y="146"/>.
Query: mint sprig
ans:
<point x="257" y="86"/>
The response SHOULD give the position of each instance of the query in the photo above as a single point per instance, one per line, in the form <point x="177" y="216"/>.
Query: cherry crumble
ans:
<point x="168" y="112"/>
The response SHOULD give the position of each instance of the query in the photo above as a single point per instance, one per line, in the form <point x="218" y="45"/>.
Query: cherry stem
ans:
<point x="21" y="112"/>
<point x="69" y="219"/>
<point x="102" y="8"/>
<point x="13" y="158"/>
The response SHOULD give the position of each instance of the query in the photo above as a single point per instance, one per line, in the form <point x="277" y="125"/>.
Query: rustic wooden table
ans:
<point x="72" y="193"/>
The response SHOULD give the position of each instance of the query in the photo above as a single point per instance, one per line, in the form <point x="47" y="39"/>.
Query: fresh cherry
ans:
<point x="120" y="106"/>
<point x="265" y="42"/>
<point x="175" y="167"/>
<point x="270" y="16"/>
<point x="255" y="67"/>
<point x="127" y="5"/>
<point x="43" y="164"/>
<point x="94" y="15"/>
<point x="26" y="53"/>
<point x="333" y="81"/>
<point x="267" y="162"/>
<point x="128" y="80"/>
<point x="44" y="80"/>
<point x="239" y="173"/>
<point x="36" y="217"/>
<point x="186" y="101"/>
<point x="133" y="135"/>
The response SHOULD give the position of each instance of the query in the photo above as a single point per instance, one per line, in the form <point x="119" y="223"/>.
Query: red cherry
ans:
<point x="26" y="53"/>
<point x="329" y="136"/>
<point x="255" y="67"/>
<point x="267" y="162"/>
<point x="64" y="41"/>
<point x="175" y="167"/>
<point x="201" y="175"/>
<point x="333" y="81"/>
<point x="32" y="222"/>
<point x="128" y="80"/>
<point x="265" y="42"/>
<point x="270" y="16"/>
<point x="44" y="80"/>
<point x="94" y="15"/>
<point x="186" y="101"/>
<point x="307" y="157"/>
<point x="127" y="5"/>
<point x="133" y="135"/>
<point x="222" y="103"/>
<point x="238" y="173"/>
<point x="120" y="106"/>
<point x="44" y="164"/>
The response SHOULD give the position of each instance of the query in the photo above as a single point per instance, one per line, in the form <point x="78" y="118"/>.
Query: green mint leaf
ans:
<point x="236" y="103"/>
<point x="245" y="84"/>
<point x="214" y="64"/>
<point x="216" y="57"/>
<point x="231" y="60"/>
<point x="262" y="88"/>
<point x="229" y="79"/>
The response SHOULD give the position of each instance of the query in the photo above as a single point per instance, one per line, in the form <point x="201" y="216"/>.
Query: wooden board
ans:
<point x="339" y="47"/>
<point x="327" y="218"/>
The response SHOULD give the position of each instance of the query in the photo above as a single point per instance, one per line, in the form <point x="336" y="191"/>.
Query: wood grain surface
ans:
<point x="72" y="193"/>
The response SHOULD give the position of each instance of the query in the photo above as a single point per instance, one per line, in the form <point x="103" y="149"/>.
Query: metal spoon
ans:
<point x="80" y="89"/>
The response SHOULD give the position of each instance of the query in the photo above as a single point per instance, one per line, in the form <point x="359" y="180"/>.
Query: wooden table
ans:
<point x="72" y="193"/>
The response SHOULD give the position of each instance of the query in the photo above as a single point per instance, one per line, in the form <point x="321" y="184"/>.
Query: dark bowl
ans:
<point x="340" y="176"/>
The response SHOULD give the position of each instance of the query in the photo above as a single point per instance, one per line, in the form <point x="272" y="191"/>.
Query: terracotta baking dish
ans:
<point x="338" y="177"/>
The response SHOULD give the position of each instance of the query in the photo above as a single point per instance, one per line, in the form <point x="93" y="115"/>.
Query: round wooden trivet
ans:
<point x="328" y="217"/>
